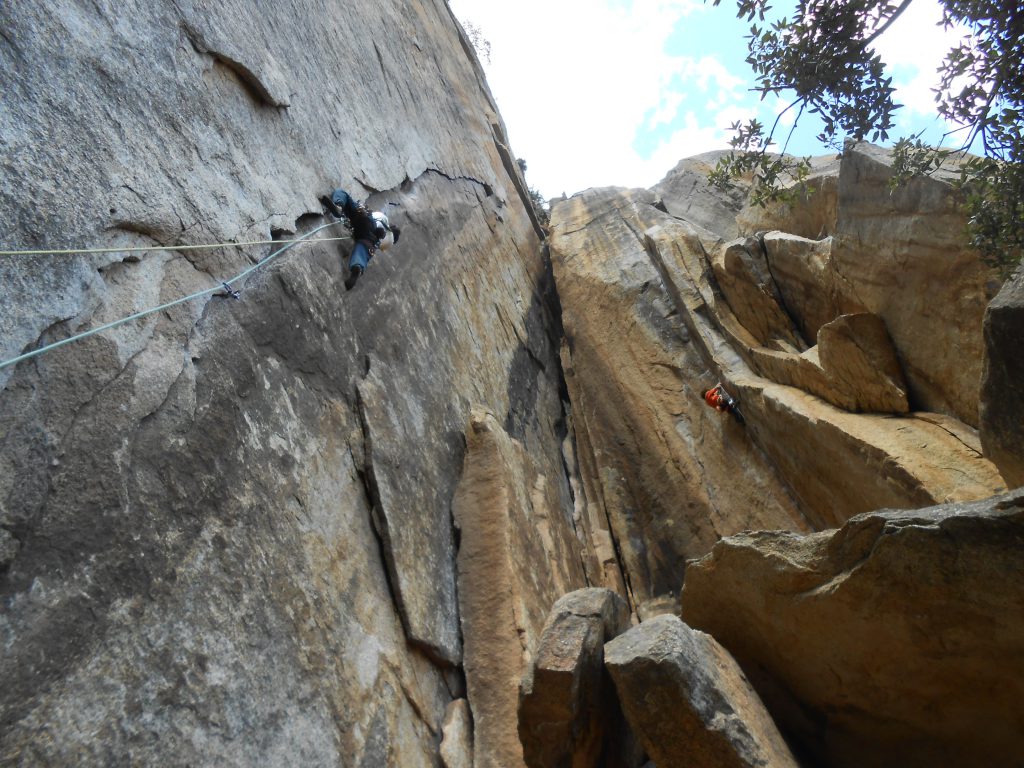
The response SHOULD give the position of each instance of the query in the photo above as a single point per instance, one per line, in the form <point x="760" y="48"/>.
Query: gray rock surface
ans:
<point x="688" y="700"/>
<point x="896" y="640"/>
<point x="568" y="712"/>
<point x="1002" y="383"/>
<point x="457" y="739"/>
<point x="685" y="192"/>
<point x="191" y="571"/>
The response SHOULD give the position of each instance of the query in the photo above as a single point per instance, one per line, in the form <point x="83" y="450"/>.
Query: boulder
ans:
<point x="853" y="365"/>
<point x="686" y="192"/>
<point x="859" y="359"/>
<point x="568" y="713"/>
<point x="745" y="279"/>
<point x="896" y="640"/>
<point x="812" y="214"/>
<point x="457" y="736"/>
<point x="688" y="700"/>
<point x="518" y="553"/>
<point x="859" y="371"/>
<point x="1002" y="385"/>
<point x="806" y="279"/>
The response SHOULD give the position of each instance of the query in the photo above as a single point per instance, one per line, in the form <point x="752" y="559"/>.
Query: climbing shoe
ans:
<point x="330" y="206"/>
<point x="352" y="277"/>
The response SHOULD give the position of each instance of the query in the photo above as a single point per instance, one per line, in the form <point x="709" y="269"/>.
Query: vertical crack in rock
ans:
<point x="383" y="69"/>
<point x="230" y="586"/>
<point x="651" y="247"/>
<point x="408" y="494"/>
<point x="368" y="479"/>
<point x="780" y="299"/>
<point x="410" y="698"/>
<point x="515" y="175"/>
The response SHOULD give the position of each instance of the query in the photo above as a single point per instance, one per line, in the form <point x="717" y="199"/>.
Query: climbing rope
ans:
<point x="138" y="249"/>
<point x="225" y="285"/>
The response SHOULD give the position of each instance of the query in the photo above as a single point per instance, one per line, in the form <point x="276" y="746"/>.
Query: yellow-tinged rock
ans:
<point x="517" y="555"/>
<point x="667" y="473"/>
<point x="897" y="640"/>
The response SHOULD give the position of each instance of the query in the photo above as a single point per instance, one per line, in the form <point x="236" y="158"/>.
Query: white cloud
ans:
<point x="693" y="139"/>
<point x="576" y="79"/>
<point x="917" y="44"/>
<point x="667" y="110"/>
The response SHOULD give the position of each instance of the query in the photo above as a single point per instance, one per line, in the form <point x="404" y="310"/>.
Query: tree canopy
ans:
<point x="824" y="62"/>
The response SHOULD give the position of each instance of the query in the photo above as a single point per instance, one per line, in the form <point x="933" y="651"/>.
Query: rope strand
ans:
<point x="138" y="249"/>
<point x="168" y="305"/>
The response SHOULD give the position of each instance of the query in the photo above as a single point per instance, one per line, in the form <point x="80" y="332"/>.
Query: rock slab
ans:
<point x="1002" y="384"/>
<point x="457" y="736"/>
<point x="517" y="555"/>
<point x="896" y="640"/>
<point x="190" y="570"/>
<point x="688" y="700"/>
<point x="658" y="468"/>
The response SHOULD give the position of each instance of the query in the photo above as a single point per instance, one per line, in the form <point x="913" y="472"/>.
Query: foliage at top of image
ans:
<point x="480" y="44"/>
<point x="540" y="205"/>
<point x="823" y="57"/>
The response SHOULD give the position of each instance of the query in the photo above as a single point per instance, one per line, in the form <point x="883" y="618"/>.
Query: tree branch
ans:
<point x="793" y="128"/>
<point x="775" y="125"/>
<point x="874" y="35"/>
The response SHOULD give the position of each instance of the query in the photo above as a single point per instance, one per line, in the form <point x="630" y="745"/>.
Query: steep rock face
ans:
<point x="1002" y="387"/>
<point x="648" y="329"/>
<point x="689" y="702"/>
<point x="228" y="536"/>
<point x="811" y="215"/>
<point x="901" y="254"/>
<point x="655" y="461"/>
<point x="896" y="640"/>
<point x="518" y="555"/>
<point x="685" y="192"/>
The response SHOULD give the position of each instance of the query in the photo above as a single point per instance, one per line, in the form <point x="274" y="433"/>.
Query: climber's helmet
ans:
<point x="381" y="224"/>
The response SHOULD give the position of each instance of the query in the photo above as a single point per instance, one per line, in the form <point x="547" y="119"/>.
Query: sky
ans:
<point x="616" y="92"/>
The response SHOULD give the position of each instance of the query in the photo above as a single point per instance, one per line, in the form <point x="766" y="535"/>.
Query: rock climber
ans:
<point x="370" y="230"/>
<point x="722" y="401"/>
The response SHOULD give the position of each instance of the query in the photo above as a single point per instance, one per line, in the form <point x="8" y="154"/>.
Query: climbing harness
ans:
<point x="223" y="290"/>
<point x="720" y="400"/>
